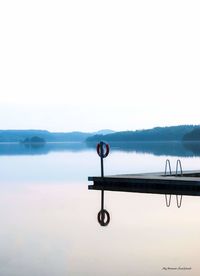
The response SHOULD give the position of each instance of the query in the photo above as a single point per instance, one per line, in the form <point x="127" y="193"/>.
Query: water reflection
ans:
<point x="186" y="149"/>
<point x="38" y="149"/>
<point x="48" y="216"/>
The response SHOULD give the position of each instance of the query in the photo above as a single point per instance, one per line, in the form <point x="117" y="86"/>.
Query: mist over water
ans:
<point x="49" y="218"/>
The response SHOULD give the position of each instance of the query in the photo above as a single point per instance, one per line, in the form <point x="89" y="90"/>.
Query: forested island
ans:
<point x="33" y="140"/>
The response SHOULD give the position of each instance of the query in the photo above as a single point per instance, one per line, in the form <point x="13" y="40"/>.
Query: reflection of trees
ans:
<point x="37" y="148"/>
<point x="156" y="148"/>
<point x="33" y="145"/>
<point x="194" y="147"/>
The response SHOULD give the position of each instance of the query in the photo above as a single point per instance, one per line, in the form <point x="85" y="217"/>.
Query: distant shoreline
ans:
<point x="158" y="134"/>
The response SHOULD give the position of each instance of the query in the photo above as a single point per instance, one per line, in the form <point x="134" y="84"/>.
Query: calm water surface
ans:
<point x="48" y="216"/>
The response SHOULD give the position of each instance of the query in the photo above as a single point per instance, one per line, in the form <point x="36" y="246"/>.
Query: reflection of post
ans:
<point x="102" y="199"/>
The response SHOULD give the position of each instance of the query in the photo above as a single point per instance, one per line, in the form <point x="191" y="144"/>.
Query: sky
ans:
<point x="90" y="65"/>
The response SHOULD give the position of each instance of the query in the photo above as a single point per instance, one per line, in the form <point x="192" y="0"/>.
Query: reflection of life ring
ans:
<point x="103" y="149"/>
<point x="103" y="217"/>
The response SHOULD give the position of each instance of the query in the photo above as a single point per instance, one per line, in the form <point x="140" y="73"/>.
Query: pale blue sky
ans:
<point x="89" y="65"/>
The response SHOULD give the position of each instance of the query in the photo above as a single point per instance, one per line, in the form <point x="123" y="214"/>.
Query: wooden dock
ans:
<point x="168" y="183"/>
<point x="187" y="183"/>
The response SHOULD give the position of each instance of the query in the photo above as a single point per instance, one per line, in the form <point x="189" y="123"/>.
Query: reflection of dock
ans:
<point x="156" y="183"/>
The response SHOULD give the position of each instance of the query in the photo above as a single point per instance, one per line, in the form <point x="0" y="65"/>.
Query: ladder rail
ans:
<point x="168" y="166"/>
<point x="179" y="166"/>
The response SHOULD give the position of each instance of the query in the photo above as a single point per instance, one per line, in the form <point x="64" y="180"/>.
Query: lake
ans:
<point x="49" y="217"/>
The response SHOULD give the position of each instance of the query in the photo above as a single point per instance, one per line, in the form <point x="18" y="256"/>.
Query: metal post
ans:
<point x="101" y="150"/>
<point x="102" y="170"/>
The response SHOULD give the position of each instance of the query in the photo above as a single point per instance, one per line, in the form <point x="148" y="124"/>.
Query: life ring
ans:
<point x="103" y="149"/>
<point x="103" y="217"/>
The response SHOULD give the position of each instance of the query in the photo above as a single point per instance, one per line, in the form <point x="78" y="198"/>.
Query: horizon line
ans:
<point x="96" y="131"/>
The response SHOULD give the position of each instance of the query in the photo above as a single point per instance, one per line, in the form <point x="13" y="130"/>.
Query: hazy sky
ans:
<point x="88" y="65"/>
